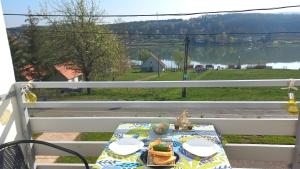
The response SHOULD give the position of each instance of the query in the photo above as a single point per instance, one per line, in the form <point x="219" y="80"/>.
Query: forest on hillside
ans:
<point x="216" y="38"/>
<point x="213" y="30"/>
<point x="242" y="23"/>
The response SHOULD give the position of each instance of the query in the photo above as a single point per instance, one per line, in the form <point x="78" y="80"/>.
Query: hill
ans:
<point x="253" y="48"/>
<point x="215" y="23"/>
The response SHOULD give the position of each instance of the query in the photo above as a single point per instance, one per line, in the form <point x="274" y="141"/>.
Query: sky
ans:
<point x="151" y="7"/>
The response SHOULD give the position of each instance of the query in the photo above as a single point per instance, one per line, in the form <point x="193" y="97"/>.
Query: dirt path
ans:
<point x="146" y="78"/>
<point x="54" y="137"/>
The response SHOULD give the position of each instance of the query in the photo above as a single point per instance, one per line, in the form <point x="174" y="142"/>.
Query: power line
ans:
<point x="149" y="15"/>
<point x="154" y="44"/>
<point x="169" y="34"/>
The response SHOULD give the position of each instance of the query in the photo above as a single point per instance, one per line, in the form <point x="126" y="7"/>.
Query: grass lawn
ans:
<point x="246" y="139"/>
<point x="135" y="74"/>
<point x="251" y="74"/>
<point x="285" y="140"/>
<point x="227" y="74"/>
<point x="194" y="94"/>
<point x="70" y="159"/>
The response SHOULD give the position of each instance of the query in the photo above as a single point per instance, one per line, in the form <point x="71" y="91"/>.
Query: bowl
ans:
<point x="160" y="127"/>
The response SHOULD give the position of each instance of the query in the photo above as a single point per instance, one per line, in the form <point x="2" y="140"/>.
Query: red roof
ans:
<point x="29" y="72"/>
<point x="68" y="70"/>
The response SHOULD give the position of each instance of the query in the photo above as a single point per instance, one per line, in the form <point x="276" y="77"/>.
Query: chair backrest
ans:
<point x="12" y="153"/>
<point x="11" y="157"/>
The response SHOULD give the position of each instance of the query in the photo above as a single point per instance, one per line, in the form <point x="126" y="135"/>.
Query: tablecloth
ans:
<point x="143" y="132"/>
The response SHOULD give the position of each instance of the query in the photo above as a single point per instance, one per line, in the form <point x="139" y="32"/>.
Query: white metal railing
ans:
<point x="163" y="84"/>
<point x="160" y="104"/>
<point x="240" y="126"/>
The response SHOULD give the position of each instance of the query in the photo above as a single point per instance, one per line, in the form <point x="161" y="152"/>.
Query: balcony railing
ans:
<point x="236" y="126"/>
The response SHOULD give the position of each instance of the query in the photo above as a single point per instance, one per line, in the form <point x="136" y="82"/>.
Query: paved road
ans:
<point x="212" y="112"/>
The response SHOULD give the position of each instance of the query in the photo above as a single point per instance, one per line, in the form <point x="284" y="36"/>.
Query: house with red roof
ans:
<point x="29" y="72"/>
<point x="68" y="72"/>
<point x="62" y="72"/>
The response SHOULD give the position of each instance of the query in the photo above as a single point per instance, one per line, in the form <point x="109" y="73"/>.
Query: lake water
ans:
<point x="275" y="65"/>
<point x="279" y="65"/>
<point x="277" y="55"/>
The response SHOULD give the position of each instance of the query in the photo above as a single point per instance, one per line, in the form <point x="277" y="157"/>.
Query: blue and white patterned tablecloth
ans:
<point x="143" y="132"/>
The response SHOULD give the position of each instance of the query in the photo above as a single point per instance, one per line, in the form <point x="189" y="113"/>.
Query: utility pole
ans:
<point x="185" y="64"/>
<point x="158" y="62"/>
<point x="171" y="62"/>
<point x="158" y="66"/>
<point x="239" y="66"/>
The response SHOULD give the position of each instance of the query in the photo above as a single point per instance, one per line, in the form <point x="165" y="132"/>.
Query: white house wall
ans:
<point x="151" y="62"/>
<point x="6" y="66"/>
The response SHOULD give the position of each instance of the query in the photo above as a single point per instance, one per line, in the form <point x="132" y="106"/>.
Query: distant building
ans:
<point x="190" y="66"/>
<point x="63" y="72"/>
<point x="209" y="66"/>
<point x="134" y="64"/>
<point x="28" y="72"/>
<point x="153" y="64"/>
<point x="258" y="66"/>
<point x="67" y="72"/>
<point x="199" y="68"/>
<point x="231" y="66"/>
<point x="269" y="67"/>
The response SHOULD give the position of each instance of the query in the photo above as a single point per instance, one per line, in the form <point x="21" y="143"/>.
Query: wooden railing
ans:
<point x="236" y="126"/>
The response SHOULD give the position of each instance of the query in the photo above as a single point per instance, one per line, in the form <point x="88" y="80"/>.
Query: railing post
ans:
<point x="296" y="158"/>
<point x="25" y="127"/>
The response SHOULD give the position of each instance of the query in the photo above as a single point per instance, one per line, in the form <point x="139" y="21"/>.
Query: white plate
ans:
<point x="126" y="146"/>
<point x="200" y="147"/>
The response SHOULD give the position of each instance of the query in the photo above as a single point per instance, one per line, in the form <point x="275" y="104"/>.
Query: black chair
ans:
<point x="11" y="155"/>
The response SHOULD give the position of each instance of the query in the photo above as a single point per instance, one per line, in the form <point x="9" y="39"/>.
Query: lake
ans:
<point x="277" y="65"/>
<point x="279" y="56"/>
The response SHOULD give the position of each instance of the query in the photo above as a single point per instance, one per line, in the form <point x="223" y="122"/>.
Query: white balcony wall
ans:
<point x="7" y="77"/>
<point x="9" y="115"/>
<point x="10" y="128"/>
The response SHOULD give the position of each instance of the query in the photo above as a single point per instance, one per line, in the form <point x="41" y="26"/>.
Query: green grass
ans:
<point x="251" y="74"/>
<point x="243" y="74"/>
<point x="193" y="94"/>
<point x="245" y="139"/>
<point x="135" y="74"/>
<point x="70" y="159"/>
<point x="208" y="94"/>
<point x="285" y="140"/>
<point x="105" y="136"/>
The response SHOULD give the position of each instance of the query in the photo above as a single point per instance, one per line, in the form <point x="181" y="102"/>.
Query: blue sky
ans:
<point x="150" y="7"/>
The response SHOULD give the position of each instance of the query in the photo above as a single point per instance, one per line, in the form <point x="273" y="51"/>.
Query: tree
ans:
<point x="179" y="59"/>
<point x="28" y="49"/>
<point x="35" y="49"/>
<point x="82" y="39"/>
<point x="144" y="54"/>
<point x="17" y="53"/>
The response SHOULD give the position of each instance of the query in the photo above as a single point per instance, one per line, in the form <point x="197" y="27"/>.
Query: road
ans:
<point x="167" y="112"/>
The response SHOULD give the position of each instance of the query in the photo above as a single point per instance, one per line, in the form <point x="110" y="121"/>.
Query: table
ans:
<point x="143" y="132"/>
